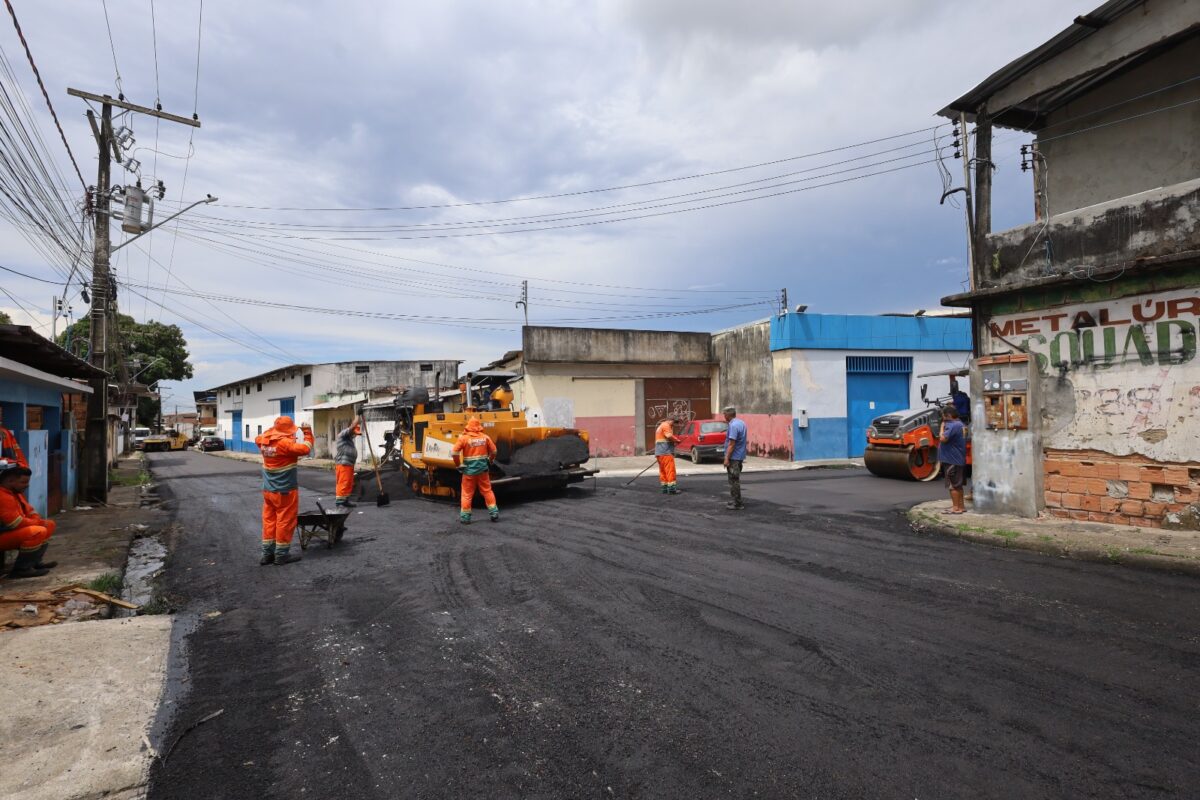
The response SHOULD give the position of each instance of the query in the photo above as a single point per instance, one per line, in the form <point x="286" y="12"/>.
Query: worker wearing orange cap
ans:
<point x="343" y="463"/>
<point x="281" y="490"/>
<point x="664" y="451"/>
<point x="474" y="453"/>
<point x="21" y="528"/>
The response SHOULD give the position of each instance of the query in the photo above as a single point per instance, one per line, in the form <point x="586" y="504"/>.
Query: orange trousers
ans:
<point x="470" y="483"/>
<point x="28" y="537"/>
<point x="344" y="476"/>
<point x="666" y="470"/>
<point x="279" y="516"/>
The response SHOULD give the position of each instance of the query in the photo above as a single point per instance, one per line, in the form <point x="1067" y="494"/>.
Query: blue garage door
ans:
<point x="875" y="385"/>
<point x="235" y="444"/>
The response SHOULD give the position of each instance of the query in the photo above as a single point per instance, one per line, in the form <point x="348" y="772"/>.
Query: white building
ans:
<point x="323" y="395"/>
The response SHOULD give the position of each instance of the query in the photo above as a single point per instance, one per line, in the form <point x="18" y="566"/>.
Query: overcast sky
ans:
<point x="341" y="105"/>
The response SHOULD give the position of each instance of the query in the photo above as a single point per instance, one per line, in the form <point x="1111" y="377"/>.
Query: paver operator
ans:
<point x="343" y="463"/>
<point x="21" y="528"/>
<point x="280" y="487"/>
<point x="664" y="451"/>
<point x="474" y="453"/>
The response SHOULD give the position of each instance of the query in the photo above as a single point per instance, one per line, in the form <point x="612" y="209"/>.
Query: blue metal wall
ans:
<point x="850" y="332"/>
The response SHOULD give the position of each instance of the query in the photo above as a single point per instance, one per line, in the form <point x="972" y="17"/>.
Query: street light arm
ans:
<point x="209" y="199"/>
<point x="148" y="366"/>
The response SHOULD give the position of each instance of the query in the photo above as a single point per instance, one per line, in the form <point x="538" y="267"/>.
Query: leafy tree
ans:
<point x="5" y="319"/>
<point x="155" y="350"/>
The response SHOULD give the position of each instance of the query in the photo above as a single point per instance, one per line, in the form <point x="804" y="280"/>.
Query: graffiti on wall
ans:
<point x="659" y="410"/>
<point x="1120" y="376"/>
<point x="1148" y="330"/>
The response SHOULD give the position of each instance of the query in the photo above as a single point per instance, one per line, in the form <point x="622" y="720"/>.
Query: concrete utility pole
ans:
<point x="95" y="441"/>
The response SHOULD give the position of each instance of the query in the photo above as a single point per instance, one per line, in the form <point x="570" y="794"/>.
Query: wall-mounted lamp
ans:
<point x="801" y="308"/>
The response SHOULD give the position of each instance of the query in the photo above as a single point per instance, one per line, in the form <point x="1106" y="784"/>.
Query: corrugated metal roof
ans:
<point x="21" y="344"/>
<point x="1084" y="26"/>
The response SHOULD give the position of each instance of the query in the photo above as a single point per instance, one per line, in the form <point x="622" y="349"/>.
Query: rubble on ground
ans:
<point x="52" y="606"/>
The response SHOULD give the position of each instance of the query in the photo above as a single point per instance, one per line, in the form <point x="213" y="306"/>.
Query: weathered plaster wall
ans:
<point x="1127" y="382"/>
<point x="1093" y="161"/>
<point x="1006" y="465"/>
<point x="602" y="345"/>
<point x="1152" y="224"/>
<point x="343" y="377"/>
<point x="758" y="383"/>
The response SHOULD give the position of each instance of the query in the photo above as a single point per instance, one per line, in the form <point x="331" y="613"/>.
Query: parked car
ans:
<point x="211" y="443"/>
<point x="701" y="439"/>
<point x="139" y="437"/>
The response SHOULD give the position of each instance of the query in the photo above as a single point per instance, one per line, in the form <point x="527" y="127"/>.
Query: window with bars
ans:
<point x="878" y="364"/>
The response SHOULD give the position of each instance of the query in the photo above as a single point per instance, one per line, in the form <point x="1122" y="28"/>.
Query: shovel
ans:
<point x="382" y="498"/>
<point x="643" y="472"/>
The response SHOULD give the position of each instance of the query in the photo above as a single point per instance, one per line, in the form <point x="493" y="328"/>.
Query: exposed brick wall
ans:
<point x="1124" y="490"/>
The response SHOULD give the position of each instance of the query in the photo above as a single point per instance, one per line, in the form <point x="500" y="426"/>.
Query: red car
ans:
<point x="701" y="439"/>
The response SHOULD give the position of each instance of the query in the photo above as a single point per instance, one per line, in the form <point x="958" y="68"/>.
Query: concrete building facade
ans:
<point x="807" y="385"/>
<point x="615" y="384"/>
<point x="247" y="407"/>
<point x="1086" y="318"/>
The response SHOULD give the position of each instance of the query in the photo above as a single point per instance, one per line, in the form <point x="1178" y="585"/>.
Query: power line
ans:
<point x="26" y="275"/>
<point x="45" y="94"/>
<point x="604" y="189"/>
<point x="472" y="234"/>
<point x="112" y="45"/>
<point x="21" y="306"/>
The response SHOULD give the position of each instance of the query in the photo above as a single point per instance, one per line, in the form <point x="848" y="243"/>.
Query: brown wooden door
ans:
<point x="665" y="397"/>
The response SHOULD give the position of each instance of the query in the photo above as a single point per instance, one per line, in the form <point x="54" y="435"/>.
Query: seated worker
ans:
<point x="21" y="528"/>
<point x="962" y="403"/>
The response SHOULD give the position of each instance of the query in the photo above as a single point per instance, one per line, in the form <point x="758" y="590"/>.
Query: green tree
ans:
<point x="5" y="319"/>
<point x="156" y="350"/>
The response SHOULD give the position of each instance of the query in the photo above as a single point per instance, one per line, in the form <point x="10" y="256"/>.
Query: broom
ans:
<point x="382" y="498"/>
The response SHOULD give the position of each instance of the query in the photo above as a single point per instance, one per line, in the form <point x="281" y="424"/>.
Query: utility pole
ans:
<point x="966" y="159"/>
<point x="95" y="440"/>
<point x="783" y="302"/>
<point x="524" y="301"/>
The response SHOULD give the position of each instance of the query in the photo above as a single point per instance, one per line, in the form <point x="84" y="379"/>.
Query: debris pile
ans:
<point x="52" y="606"/>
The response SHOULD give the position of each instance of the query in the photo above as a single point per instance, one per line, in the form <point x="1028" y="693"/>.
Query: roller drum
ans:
<point x="909" y="463"/>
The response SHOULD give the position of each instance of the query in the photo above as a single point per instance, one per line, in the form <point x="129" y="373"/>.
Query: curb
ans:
<point x="924" y="521"/>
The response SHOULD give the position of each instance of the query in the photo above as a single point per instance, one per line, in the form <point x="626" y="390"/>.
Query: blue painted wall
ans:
<point x="825" y="437"/>
<point x="848" y="332"/>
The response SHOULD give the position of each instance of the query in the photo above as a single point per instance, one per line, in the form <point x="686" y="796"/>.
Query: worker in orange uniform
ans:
<point x="344" y="460"/>
<point x="664" y="451"/>
<point x="21" y="528"/>
<point x="474" y="453"/>
<point x="9" y="449"/>
<point x="281" y="489"/>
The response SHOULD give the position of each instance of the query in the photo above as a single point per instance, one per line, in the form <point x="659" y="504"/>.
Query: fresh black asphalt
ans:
<point x="611" y="642"/>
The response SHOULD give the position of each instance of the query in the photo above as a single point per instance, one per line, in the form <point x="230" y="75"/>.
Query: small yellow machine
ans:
<point x="527" y="457"/>
<point x="167" y="440"/>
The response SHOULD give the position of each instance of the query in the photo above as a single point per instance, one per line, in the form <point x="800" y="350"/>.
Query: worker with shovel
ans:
<point x="343" y="463"/>
<point x="664" y="453"/>
<point x="474" y="453"/>
<point x="281" y="487"/>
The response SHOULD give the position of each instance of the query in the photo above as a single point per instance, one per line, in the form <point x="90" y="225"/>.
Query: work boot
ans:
<point x="672" y="490"/>
<point x="346" y="504"/>
<point x="268" y="554"/>
<point x="464" y="520"/>
<point x="284" y="557"/>
<point x="665" y="490"/>
<point x="26" y="566"/>
<point x="44" y="564"/>
<point x="494" y="514"/>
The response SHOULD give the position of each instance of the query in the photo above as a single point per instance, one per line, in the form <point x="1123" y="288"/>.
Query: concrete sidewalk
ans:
<point x="79" y="697"/>
<point x="625" y="466"/>
<point x="1176" y="551"/>
<point x="628" y="466"/>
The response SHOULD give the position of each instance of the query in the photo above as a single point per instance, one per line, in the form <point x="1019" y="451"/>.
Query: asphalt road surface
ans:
<point x="619" y="643"/>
